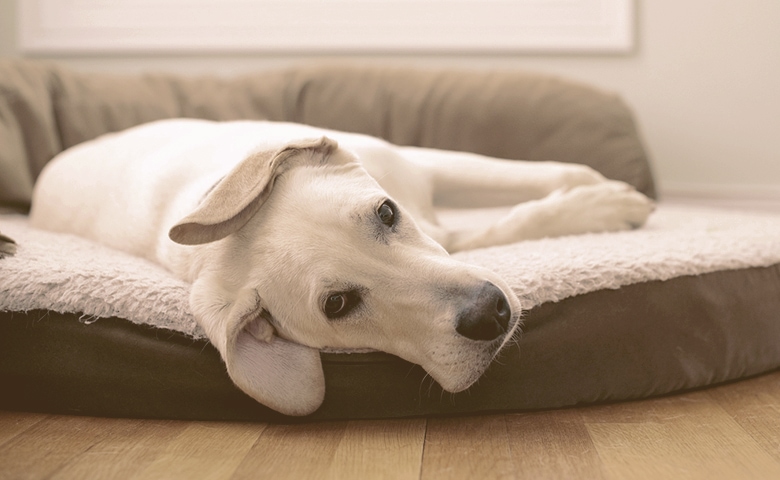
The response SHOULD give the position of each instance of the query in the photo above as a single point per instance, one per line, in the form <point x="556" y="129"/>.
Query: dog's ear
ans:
<point x="241" y="193"/>
<point x="278" y="373"/>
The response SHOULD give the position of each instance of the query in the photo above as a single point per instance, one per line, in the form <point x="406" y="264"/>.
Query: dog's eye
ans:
<point x="335" y="304"/>
<point x="386" y="213"/>
<point x="339" y="304"/>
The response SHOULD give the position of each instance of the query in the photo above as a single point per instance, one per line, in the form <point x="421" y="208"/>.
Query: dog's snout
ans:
<point x="487" y="316"/>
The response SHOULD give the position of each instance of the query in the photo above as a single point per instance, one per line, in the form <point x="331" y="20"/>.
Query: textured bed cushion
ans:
<point x="45" y="109"/>
<point x="690" y="300"/>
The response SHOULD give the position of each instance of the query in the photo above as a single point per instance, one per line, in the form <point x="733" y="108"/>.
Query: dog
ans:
<point x="296" y="238"/>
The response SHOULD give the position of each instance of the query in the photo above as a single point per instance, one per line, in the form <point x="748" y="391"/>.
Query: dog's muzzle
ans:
<point x="487" y="315"/>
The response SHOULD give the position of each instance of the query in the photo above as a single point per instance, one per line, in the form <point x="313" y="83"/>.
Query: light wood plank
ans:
<point x="552" y="445"/>
<point x="125" y="448"/>
<point x="204" y="450"/>
<point x="380" y="449"/>
<point x="467" y="448"/>
<point x="686" y="436"/>
<point x="755" y="405"/>
<point x="293" y="451"/>
<point x="49" y="445"/>
<point x="14" y="423"/>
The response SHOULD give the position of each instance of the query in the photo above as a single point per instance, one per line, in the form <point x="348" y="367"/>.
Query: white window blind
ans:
<point x="200" y="26"/>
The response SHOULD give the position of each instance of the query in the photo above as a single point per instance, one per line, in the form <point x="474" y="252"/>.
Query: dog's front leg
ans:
<point x="467" y="180"/>
<point x="601" y="207"/>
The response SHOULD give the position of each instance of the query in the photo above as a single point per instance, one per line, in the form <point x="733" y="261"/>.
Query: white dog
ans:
<point x="294" y="242"/>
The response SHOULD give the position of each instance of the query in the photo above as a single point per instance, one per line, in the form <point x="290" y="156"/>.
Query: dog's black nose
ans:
<point x="487" y="316"/>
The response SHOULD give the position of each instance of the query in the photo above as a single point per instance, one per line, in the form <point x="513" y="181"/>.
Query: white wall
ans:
<point x="704" y="81"/>
<point x="7" y="28"/>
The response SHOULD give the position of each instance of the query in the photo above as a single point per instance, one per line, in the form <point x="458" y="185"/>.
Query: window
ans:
<point x="199" y="26"/>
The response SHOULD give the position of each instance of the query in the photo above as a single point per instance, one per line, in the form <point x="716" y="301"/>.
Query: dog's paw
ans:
<point x="602" y="207"/>
<point x="575" y="175"/>
<point x="7" y="246"/>
<point x="555" y="176"/>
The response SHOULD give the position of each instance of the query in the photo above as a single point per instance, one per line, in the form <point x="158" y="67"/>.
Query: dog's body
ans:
<point x="293" y="245"/>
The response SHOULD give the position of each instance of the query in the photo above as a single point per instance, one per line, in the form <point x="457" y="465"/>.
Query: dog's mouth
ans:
<point x="475" y="358"/>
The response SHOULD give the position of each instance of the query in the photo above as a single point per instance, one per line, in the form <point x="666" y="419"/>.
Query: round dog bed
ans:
<point x="692" y="299"/>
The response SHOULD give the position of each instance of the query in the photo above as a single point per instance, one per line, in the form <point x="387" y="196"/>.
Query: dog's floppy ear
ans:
<point x="278" y="373"/>
<point x="241" y="193"/>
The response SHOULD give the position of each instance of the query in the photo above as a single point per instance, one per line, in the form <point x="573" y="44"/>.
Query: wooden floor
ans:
<point x="729" y="432"/>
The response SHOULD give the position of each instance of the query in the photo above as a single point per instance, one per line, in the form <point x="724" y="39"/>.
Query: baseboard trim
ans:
<point x="760" y="197"/>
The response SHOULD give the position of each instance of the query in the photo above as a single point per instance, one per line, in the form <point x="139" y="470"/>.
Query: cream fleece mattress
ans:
<point x="67" y="274"/>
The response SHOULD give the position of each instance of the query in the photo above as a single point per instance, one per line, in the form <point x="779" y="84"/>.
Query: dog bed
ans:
<point x="690" y="300"/>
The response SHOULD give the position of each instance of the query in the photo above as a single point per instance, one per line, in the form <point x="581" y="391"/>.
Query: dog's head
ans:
<point x="304" y="250"/>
